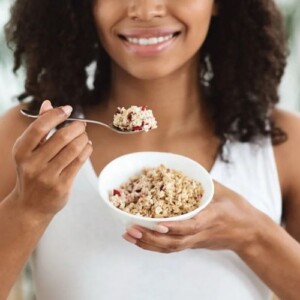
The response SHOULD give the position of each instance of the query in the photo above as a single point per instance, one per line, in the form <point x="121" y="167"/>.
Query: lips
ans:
<point x="148" y="41"/>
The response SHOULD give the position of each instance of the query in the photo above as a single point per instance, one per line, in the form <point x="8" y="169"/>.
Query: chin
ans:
<point x="150" y="73"/>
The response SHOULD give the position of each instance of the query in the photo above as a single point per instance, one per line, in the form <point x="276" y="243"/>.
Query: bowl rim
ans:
<point x="168" y="219"/>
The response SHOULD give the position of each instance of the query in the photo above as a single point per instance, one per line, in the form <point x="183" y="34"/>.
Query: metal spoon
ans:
<point x="35" y="115"/>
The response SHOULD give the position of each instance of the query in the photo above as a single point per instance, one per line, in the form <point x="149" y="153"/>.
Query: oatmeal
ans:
<point x="135" y="118"/>
<point x="158" y="193"/>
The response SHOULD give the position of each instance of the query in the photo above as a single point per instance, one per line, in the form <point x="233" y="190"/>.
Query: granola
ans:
<point x="158" y="193"/>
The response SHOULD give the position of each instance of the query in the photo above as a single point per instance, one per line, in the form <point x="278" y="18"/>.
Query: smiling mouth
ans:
<point x="149" y="41"/>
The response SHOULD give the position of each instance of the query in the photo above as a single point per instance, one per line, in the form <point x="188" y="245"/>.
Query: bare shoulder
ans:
<point x="14" y="112"/>
<point x="12" y="125"/>
<point x="287" y="157"/>
<point x="287" y="153"/>
<point x="288" y="121"/>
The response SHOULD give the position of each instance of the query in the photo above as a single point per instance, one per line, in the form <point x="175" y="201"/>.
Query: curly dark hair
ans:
<point x="242" y="61"/>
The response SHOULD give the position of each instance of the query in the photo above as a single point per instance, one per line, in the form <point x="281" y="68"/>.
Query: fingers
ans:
<point x="129" y="238"/>
<point x="37" y="131"/>
<point x="60" y="139"/>
<point x="68" y="154"/>
<point x="135" y="232"/>
<point x="68" y="144"/>
<point x="46" y="106"/>
<point x="150" y="240"/>
<point x="202" y="221"/>
<point x="71" y="170"/>
<point x="167" y="243"/>
<point x="186" y="227"/>
<point x="141" y="244"/>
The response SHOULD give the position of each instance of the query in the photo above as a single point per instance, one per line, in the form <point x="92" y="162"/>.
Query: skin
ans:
<point x="33" y="190"/>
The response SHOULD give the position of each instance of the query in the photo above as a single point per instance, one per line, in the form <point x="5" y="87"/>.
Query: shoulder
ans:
<point x="12" y="125"/>
<point x="287" y="153"/>
<point x="288" y="121"/>
<point x="287" y="156"/>
<point x="13" y="114"/>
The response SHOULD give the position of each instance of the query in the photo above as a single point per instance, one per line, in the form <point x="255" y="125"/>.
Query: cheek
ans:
<point x="196" y="16"/>
<point x="106" y="14"/>
<point x="99" y="18"/>
<point x="199" y="33"/>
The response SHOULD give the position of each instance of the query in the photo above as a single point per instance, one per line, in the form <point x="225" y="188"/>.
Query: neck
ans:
<point x="175" y="100"/>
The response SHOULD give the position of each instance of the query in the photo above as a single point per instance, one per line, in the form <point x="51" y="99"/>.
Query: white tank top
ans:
<point x="82" y="255"/>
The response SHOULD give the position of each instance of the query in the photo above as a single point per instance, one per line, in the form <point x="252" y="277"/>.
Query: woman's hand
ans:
<point x="229" y="222"/>
<point x="46" y="167"/>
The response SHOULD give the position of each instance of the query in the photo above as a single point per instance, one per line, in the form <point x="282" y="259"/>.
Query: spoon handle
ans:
<point x="34" y="115"/>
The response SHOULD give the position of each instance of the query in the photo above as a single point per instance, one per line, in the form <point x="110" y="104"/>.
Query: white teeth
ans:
<point x="150" y="41"/>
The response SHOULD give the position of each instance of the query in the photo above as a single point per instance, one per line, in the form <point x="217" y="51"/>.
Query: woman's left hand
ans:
<point x="228" y="222"/>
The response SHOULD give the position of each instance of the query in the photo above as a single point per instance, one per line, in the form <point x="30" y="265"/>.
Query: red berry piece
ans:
<point x="116" y="192"/>
<point x="129" y="117"/>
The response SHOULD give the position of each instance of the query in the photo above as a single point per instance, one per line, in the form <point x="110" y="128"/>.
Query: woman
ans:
<point x="209" y="71"/>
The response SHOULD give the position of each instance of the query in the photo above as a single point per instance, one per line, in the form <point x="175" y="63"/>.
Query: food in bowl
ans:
<point x="135" y="118"/>
<point x="159" y="192"/>
<point x="121" y="169"/>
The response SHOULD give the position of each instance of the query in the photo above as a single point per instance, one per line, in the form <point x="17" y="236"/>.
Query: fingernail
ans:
<point x="46" y="105"/>
<point x="90" y="142"/>
<point x="67" y="109"/>
<point x="135" y="233"/>
<point x="161" y="229"/>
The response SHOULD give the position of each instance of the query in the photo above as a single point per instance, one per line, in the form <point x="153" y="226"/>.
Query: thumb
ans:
<point x="46" y="105"/>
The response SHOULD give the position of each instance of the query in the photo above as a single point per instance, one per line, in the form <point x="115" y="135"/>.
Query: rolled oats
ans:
<point x="158" y="193"/>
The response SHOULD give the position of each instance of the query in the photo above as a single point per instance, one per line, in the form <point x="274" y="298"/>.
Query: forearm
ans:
<point x="275" y="258"/>
<point x="19" y="234"/>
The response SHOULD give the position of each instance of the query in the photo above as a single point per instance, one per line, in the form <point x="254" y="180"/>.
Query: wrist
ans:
<point x="259" y="238"/>
<point x="28" y="216"/>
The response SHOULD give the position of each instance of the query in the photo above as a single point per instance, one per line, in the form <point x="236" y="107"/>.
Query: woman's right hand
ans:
<point x="46" y="167"/>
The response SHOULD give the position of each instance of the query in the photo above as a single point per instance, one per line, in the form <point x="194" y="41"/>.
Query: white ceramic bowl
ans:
<point x="122" y="168"/>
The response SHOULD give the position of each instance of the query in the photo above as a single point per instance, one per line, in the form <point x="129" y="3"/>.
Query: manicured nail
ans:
<point x="90" y="142"/>
<point x="67" y="109"/>
<point x="135" y="233"/>
<point x="46" y="105"/>
<point x="161" y="229"/>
